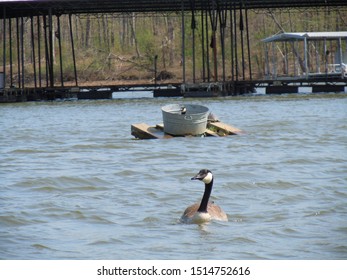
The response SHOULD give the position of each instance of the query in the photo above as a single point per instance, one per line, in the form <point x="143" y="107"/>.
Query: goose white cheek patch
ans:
<point x="208" y="178"/>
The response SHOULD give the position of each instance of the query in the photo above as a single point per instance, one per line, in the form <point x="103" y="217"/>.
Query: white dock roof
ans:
<point x="309" y="35"/>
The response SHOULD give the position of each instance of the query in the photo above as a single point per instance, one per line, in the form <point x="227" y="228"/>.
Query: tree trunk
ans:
<point x="87" y="32"/>
<point x="133" y="34"/>
<point x="171" y="40"/>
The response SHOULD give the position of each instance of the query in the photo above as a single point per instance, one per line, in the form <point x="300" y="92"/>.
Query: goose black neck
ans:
<point x="206" y="197"/>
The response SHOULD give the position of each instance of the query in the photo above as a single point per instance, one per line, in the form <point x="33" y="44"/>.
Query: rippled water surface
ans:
<point x="74" y="184"/>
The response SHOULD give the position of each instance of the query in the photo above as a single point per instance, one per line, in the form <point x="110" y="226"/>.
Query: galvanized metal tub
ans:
<point x="184" y="119"/>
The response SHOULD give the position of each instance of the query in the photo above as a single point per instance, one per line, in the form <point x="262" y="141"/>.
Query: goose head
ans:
<point x="204" y="175"/>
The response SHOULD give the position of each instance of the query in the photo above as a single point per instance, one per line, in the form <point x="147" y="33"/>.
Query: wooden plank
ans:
<point x="144" y="131"/>
<point x="160" y="126"/>
<point x="225" y="128"/>
<point x="211" y="133"/>
<point x="215" y="129"/>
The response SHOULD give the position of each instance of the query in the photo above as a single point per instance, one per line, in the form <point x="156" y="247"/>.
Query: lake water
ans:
<point x="74" y="184"/>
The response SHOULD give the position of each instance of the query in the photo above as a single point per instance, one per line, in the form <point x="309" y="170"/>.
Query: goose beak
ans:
<point x="197" y="177"/>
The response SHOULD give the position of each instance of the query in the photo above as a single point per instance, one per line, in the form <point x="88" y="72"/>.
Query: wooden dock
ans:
<point x="213" y="129"/>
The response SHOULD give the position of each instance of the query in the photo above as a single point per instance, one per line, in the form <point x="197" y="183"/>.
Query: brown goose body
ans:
<point x="214" y="212"/>
<point x="204" y="211"/>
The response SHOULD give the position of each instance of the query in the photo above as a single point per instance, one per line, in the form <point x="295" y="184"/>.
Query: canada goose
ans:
<point x="205" y="211"/>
